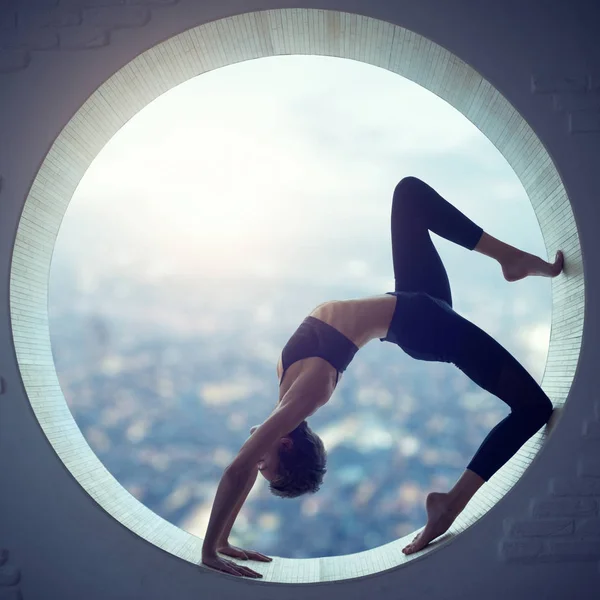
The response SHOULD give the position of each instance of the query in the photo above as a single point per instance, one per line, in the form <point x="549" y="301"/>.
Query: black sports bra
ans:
<point x="317" y="338"/>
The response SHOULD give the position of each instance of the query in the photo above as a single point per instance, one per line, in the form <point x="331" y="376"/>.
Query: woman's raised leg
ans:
<point x="418" y="209"/>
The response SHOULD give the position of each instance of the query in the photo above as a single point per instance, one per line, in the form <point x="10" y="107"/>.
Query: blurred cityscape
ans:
<point x="165" y="375"/>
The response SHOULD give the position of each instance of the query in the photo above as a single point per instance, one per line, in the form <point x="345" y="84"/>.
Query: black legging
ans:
<point x="426" y="327"/>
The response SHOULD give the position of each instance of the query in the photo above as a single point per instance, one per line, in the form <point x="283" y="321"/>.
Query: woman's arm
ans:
<point x="223" y="539"/>
<point x="238" y="476"/>
<point x="302" y="399"/>
<point x="229" y="493"/>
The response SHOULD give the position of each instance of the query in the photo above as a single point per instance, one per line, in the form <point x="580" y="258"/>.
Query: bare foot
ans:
<point x="439" y="519"/>
<point x="524" y="264"/>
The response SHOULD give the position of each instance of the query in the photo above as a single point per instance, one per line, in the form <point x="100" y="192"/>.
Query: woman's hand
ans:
<point x="226" y="566"/>
<point x="236" y="552"/>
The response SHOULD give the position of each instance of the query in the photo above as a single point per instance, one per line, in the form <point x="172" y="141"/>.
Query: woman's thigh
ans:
<point x="424" y="327"/>
<point x="417" y="264"/>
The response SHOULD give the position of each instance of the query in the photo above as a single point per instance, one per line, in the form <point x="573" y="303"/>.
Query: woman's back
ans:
<point x="359" y="320"/>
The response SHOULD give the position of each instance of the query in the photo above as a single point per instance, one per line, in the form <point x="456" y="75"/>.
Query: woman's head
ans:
<point x="296" y="463"/>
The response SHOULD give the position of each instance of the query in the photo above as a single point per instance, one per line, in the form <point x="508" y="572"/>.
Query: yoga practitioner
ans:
<point x="418" y="317"/>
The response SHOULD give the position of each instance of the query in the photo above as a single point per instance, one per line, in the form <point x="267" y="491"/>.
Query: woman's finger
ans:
<point x="259" y="556"/>
<point x="234" y="553"/>
<point x="250" y="572"/>
<point x="236" y="569"/>
<point x="239" y="570"/>
<point x="225" y="567"/>
<point x="246" y="571"/>
<point x="233" y="571"/>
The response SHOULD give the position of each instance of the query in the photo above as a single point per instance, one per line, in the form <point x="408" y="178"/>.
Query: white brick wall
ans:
<point x="574" y="94"/>
<point x="558" y="527"/>
<point x="34" y="25"/>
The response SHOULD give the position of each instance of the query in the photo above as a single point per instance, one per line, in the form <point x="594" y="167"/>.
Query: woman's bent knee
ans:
<point x="407" y="194"/>
<point x="407" y="184"/>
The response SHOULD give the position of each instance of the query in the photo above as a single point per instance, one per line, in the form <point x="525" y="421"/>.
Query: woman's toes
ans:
<point x="558" y="264"/>
<point x="560" y="260"/>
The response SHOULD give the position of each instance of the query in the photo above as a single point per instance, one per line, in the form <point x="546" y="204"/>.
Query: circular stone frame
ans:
<point x="218" y="44"/>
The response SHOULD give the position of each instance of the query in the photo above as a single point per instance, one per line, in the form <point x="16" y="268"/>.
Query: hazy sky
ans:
<point x="284" y="167"/>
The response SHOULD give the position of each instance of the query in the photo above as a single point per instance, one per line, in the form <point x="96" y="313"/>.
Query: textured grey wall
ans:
<point x="543" y="537"/>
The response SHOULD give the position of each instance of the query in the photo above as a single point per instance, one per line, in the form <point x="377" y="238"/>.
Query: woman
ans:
<point x="418" y="317"/>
